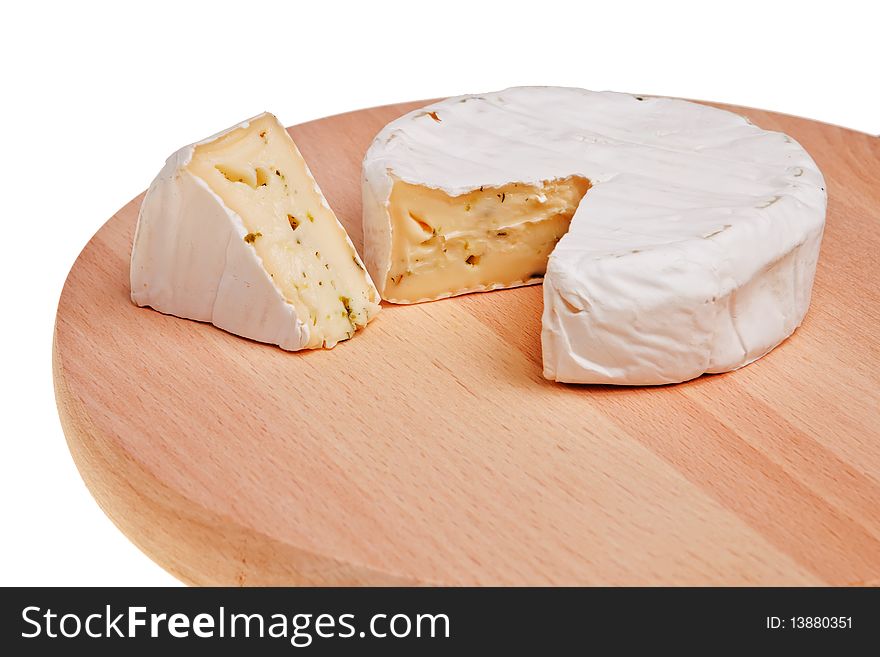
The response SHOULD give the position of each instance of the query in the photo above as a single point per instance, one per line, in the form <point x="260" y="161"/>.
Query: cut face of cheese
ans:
<point x="259" y="174"/>
<point x="687" y="236"/>
<point x="235" y="231"/>
<point x="485" y="239"/>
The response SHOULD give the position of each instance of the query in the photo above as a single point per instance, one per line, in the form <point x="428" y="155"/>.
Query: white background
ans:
<point x="95" y="96"/>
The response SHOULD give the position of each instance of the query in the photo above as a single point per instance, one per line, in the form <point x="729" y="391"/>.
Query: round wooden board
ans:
<point x="430" y="450"/>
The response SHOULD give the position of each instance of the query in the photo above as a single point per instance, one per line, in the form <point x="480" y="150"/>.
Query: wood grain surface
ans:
<point x="430" y="450"/>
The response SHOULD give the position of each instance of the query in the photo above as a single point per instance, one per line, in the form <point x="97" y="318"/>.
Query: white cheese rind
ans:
<point x="189" y="259"/>
<point x="693" y="252"/>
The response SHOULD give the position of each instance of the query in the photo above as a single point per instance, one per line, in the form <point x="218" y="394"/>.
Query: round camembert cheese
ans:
<point x="672" y="238"/>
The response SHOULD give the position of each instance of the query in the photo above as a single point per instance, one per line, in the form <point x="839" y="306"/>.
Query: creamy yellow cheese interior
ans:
<point x="259" y="173"/>
<point x="491" y="237"/>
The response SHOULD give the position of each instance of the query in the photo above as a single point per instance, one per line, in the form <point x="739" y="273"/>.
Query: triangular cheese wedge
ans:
<point x="235" y="231"/>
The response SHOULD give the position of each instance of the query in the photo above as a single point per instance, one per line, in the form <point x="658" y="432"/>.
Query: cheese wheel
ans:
<point x="672" y="238"/>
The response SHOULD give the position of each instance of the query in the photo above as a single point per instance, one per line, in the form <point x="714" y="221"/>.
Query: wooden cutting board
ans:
<point x="430" y="450"/>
